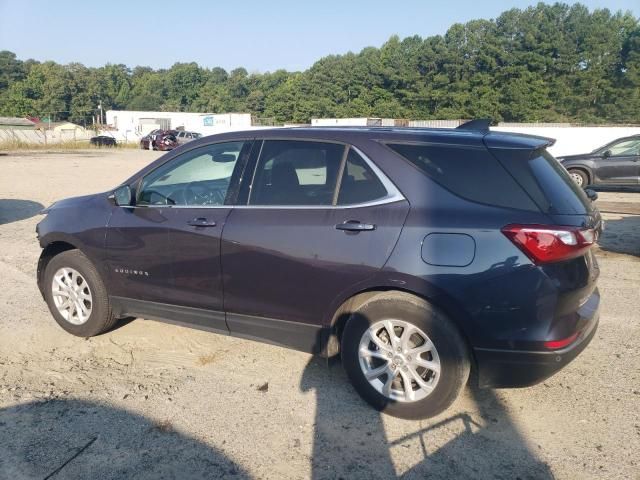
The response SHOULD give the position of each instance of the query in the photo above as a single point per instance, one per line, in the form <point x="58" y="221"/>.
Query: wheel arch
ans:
<point x="49" y="251"/>
<point x="342" y="314"/>
<point x="584" y="169"/>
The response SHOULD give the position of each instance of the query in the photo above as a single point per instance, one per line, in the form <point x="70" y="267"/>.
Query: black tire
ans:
<point x="101" y="318"/>
<point x="583" y="176"/>
<point x="451" y="347"/>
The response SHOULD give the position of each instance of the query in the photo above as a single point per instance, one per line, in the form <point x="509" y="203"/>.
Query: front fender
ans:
<point x="75" y="223"/>
<point x="52" y="245"/>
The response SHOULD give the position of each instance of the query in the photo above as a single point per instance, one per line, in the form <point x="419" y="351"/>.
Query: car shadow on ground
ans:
<point x="621" y="236"/>
<point x="59" y="439"/>
<point x="350" y="439"/>
<point x="13" y="210"/>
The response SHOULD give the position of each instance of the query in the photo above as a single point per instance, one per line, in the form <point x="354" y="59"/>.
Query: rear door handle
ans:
<point x="201" y="222"/>
<point x="355" y="226"/>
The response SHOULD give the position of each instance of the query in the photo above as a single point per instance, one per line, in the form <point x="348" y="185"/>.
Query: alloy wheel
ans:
<point x="71" y="295"/>
<point x="399" y="360"/>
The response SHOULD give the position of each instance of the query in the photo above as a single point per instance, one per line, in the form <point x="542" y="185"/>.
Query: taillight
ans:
<point x="557" y="344"/>
<point x="550" y="243"/>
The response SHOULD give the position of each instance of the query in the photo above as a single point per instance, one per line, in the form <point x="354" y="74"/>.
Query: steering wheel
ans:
<point x="197" y="194"/>
<point x="161" y="199"/>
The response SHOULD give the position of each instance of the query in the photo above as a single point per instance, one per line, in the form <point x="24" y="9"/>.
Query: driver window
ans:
<point x="200" y="177"/>
<point x="627" y="147"/>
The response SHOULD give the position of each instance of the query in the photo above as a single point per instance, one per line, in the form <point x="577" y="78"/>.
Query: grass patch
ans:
<point x="206" y="359"/>
<point x="19" y="145"/>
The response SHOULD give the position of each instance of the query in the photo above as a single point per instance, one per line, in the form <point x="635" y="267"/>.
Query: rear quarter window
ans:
<point x="471" y="173"/>
<point x="359" y="183"/>
<point x="547" y="182"/>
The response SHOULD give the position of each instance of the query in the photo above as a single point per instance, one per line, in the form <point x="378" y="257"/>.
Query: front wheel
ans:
<point x="76" y="295"/>
<point x="403" y="356"/>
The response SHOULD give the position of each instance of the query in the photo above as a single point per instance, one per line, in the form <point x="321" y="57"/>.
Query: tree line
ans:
<point x="546" y="63"/>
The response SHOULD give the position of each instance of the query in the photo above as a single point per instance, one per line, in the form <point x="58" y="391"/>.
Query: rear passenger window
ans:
<point x="296" y="173"/>
<point x="359" y="184"/>
<point x="473" y="174"/>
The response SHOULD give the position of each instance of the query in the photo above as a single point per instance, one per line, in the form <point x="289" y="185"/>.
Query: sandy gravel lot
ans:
<point x="152" y="400"/>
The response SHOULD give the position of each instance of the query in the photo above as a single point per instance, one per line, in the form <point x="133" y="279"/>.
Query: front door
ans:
<point x="199" y="185"/>
<point x="302" y="241"/>
<point x="178" y="260"/>
<point x="137" y="253"/>
<point x="211" y="177"/>
<point x="620" y="163"/>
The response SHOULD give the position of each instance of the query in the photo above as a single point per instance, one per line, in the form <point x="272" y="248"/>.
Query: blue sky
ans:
<point x="258" y="35"/>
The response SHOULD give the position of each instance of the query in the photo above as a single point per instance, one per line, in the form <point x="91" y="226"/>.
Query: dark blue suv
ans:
<point x="421" y="256"/>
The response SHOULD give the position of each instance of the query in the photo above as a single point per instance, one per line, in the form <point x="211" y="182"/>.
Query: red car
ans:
<point x="163" y="140"/>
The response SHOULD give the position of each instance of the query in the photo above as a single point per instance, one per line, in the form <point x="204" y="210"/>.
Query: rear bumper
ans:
<point x="513" y="368"/>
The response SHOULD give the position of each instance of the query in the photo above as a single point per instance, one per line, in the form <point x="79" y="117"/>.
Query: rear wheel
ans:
<point x="579" y="177"/>
<point x="76" y="296"/>
<point x="403" y="356"/>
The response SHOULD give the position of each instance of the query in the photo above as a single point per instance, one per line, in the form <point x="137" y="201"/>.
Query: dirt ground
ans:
<point x="153" y="400"/>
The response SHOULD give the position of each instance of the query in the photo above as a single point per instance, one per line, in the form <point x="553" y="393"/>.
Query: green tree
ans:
<point x="547" y="62"/>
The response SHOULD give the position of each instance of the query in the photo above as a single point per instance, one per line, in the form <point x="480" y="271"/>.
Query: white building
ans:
<point x="131" y="125"/>
<point x="354" y="122"/>
<point x="569" y="139"/>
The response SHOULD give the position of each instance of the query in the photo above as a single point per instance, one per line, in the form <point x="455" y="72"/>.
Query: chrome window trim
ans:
<point x="382" y="201"/>
<point x="393" y="194"/>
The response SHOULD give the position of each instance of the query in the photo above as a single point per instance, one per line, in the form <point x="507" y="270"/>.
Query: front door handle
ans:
<point x="355" y="226"/>
<point x="201" y="222"/>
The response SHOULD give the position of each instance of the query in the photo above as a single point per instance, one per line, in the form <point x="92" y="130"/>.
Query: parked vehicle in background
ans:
<point x="103" y="141"/>
<point x="616" y="163"/>
<point x="163" y="140"/>
<point x="416" y="254"/>
<point x="184" y="137"/>
<point x="144" y="141"/>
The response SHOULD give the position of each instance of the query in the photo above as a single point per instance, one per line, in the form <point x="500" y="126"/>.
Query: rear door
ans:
<point x="319" y="220"/>
<point x="619" y="163"/>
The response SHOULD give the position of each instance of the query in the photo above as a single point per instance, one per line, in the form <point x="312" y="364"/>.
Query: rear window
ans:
<point x="547" y="182"/>
<point x="292" y="172"/>
<point x="473" y="174"/>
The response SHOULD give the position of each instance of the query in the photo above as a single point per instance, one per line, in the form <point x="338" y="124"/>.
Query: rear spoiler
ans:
<point x="506" y="140"/>
<point x="478" y="125"/>
<point x="516" y="141"/>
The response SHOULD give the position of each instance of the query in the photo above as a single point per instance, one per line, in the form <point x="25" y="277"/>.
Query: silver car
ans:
<point x="184" y="137"/>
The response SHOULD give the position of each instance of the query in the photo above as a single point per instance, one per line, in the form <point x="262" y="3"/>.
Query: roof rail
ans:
<point x="478" y="125"/>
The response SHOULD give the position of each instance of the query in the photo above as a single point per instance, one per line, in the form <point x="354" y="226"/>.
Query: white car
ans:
<point x="184" y="137"/>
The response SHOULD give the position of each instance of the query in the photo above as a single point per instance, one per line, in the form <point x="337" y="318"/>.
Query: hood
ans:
<point x="74" y="202"/>
<point x="578" y="156"/>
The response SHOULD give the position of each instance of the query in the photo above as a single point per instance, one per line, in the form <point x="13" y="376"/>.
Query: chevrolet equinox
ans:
<point x="423" y="257"/>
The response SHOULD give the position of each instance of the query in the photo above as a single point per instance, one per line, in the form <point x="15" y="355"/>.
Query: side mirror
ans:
<point x="606" y="154"/>
<point x="592" y="194"/>
<point x="122" y="196"/>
